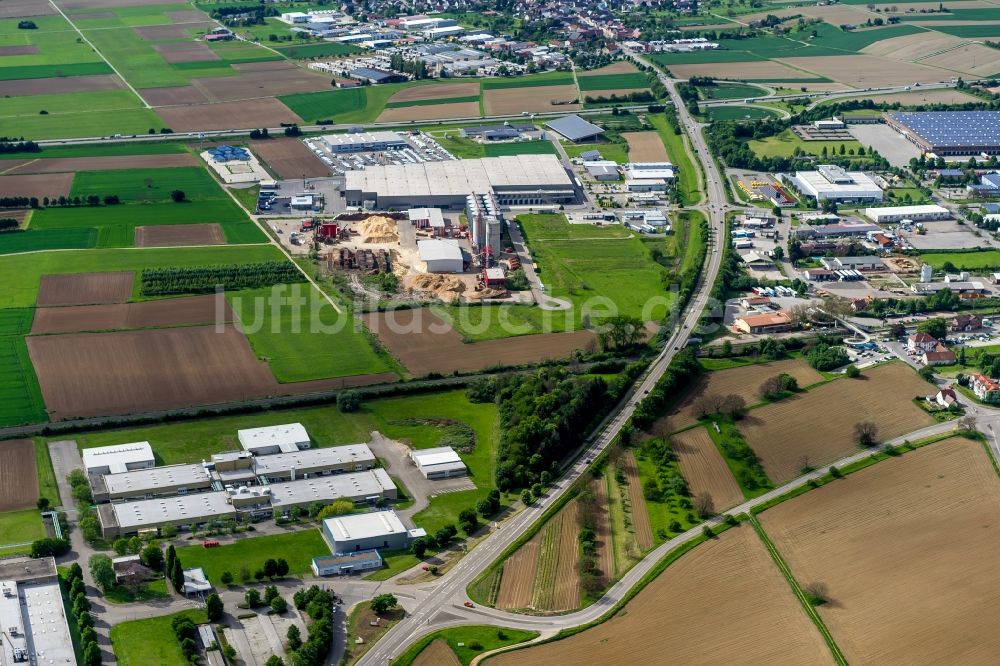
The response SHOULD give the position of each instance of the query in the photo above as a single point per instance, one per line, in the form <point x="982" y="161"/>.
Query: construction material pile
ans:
<point x="443" y="287"/>
<point x="378" y="229"/>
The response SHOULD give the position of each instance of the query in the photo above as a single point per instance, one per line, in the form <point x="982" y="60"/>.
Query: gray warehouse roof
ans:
<point x="311" y="458"/>
<point x="574" y="128"/>
<point x="371" y="483"/>
<point x="433" y="250"/>
<point x="151" y="478"/>
<point x="953" y="128"/>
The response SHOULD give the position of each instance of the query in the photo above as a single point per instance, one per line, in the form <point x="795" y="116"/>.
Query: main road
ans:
<point x="438" y="607"/>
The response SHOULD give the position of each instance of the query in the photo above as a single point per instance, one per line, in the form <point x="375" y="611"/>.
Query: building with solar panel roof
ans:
<point x="947" y="133"/>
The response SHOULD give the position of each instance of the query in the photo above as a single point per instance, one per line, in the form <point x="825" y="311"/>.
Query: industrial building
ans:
<point x="891" y="214"/>
<point x="945" y="133"/>
<point x="347" y="563"/>
<point x="33" y="625"/>
<point x="483" y="214"/>
<point x="441" y="255"/>
<point x="151" y="482"/>
<point x="833" y="183"/>
<point x="495" y="132"/>
<point x="368" y="531"/>
<point x="427" y="218"/>
<point x="118" y="458"/>
<point x="574" y="128"/>
<point x="274" y="439"/>
<point x="603" y="170"/>
<point x="361" y="142"/>
<point x="441" y="462"/>
<point x="513" y="180"/>
<point x="650" y="170"/>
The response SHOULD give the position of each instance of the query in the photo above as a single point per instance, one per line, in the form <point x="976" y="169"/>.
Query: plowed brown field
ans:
<point x="73" y="164"/>
<point x="619" y="67"/>
<point x="60" y="84"/>
<point x="744" y="382"/>
<point x="421" y="349"/>
<point x="25" y="8"/>
<point x="85" y="288"/>
<point x="174" y="96"/>
<point x="907" y="550"/>
<point x="436" y="91"/>
<point x="185" y="52"/>
<point x="704" y="468"/>
<point x="723" y="603"/>
<point x="277" y="78"/>
<point x="174" y="235"/>
<point x="509" y="101"/>
<point x="249" y="113"/>
<point x="645" y="147"/>
<point x="430" y="112"/>
<point x="438" y="653"/>
<point x="289" y="158"/>
<point x="863" y="71"/>
<point x="566" y="586"/>
<point x="605" y="548"/>
<point x="820" y="424"/>
<point x="18" y="477"/>
<point x="637" y="502"/>
<point x="184" y="311"/>
<point x="758" y="71"/>
<point x="517" y="584"/>
<point x="39" y="186"/>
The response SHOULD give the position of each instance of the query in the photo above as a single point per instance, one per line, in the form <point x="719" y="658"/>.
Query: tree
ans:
<point x="282" y="567"/>
<point x="279" y="605"/>
<point x="226" y="578"/>
<point x="967" y="423"/>
<point x="120" y="546"/>
<point x="270" y="592"/>
<point x="75" y="572"/>
<point x="338" y="508"/>
<point x="816" y="593"/>
<point x="177" y="576"/>
<point x="81" y="605"/>
<point x="152" y="557"/>
<point x="270" y="568"/>
<point x="168" y="531"/>
<point x="259" y="575"/>
<point x="168" y="563"/>
<point x="734" y="406"/>
<point x="43" y="504"/>
<point x="252" y="598"/>
<point x="294" y="637"/>
<point x="468" y="521"/>
<point x="92" y="654"/>
<point x="419" y="548"/>
<point x="275" y="660"/>
<point x="866" y="433"/>
<point x="49" y="547"/>
<point x="485" y="507"/>
<point x="102" y="571"/>
<point x="178" y="196"/>
<point x="526" y="497"/>
<point x="704" y="505"/>
<point x="348" y="401"/>
<point x="213" y="607"/>
<point x="134" y="545"/>
<point x="852" y="371"/>
<point x="383" y="603"/>
<point x="936" y="328"/>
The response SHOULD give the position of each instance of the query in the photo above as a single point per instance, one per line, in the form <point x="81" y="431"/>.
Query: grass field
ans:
<point x="48" y="239"/>
<point x="150" y="641"/>
<point x="103" y="150"/>
<point x="463" y="148"/>
<point x="785" y="143"/>
<point x="493" y="322"/>
<point x="350" y="105"/>
<point x="687" y="178"/>
<point x="19" y="527"/>
<point x="460" y="638"/>
<point x="613" y="81"/>
<point x="963" y="260"/>
<point x="317" y="50"/>
<point x="154" y="185"/>
<point x="739" y="113"/>
<point x="530" y="81"/>
<point x="298" y="548"/>
<point x="69" y="124"/>
<point x="616" y="152"/>
<point x="67" y="103"/>
<point x="20" y="396"/>
<point x="312" y="343"/>
<point x="47" y="486"/>
<point x="729" y="91"/>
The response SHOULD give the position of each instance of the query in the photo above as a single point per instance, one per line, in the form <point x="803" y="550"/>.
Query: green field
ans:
<point x="59" y="51"/>
<point x="616" y="152"/>
<point x="970" y="31"/>
<point x="431" y="102"/>
<point x="69" y="125"/>
<point x="101" y="150"/>
<point x="530" y="81"/>
<point x="739" y="113"/>
<point x="19" y="527"/>
<point x="985" y="259"/>
<point x="317" y="50"/>
<point x="729" y="91"/>
<point x="687" y="177"/>
<point x="313" y="342"/>
<point x="594" y="267"/>
<point x="346" y="105"/>
<point x="47" y="486"/>
<point x="976" y="14"/>
<point x="149" y="185"/>
<point x="612" y="82"/>
<point x="298" y="548"/>
<point x="785" y="143"/>
<point x="150" y="641"/>
<point x="460" y="638"/>
<point x="67" y="103"/>
<point x="20" y="396"/>
<point x="520" y="148"/>
<point x="48" y="239"/>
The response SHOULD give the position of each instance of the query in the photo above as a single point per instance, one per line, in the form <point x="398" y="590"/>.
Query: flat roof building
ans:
<point x="763" y="323"/>
<point x="514" y="180"/>
<point x="439" y="462"/>
<point x="891" y="214"/>
<point x="118" y="458"/>
<point x="312" y="462"/>
<point x="602" y="169"/>
<point x="949" y="132"/>
<point x="441" y="256"/>
<point x="642" y="170"/>
<point x="575" y="128"/>
<point x="287" y="438"/>
<point x="833" y="183"/>
<point x="366" y="531"/>
<point x="357" y="142"/>
<point x="152" y="481"/>
<point x="346" y="563"/>
<point x="33" y="626"/>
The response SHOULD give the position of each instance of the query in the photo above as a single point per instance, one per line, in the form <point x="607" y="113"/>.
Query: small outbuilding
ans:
<point x="440" y="462"/>
<point x="441" y="256"/>
<point x="118" y="458"/>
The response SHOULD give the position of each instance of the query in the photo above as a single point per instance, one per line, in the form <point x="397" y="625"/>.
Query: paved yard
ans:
<point x="888" y="142"/>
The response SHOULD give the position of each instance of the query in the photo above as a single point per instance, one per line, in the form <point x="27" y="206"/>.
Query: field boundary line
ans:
<point x="18" y="166"/>
<point x="810" y="610"/>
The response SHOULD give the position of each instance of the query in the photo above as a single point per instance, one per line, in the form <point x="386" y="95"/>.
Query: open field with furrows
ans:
<point x="261" y="79"/>
<point x="906" y="549"/>
<point x="60" y="85"/>
<point x="743" y="382"/>
<point x="602" y="530"/>
<point x="183" y="311"/>
<point x="36" y="185"/>
<point x="645" y="147"/>
<point x="437" y="654"/>
<point x="862" y="71"/>
<point x="226" y="115"/>
<point x="99" y="163"/>
<point x="85" y="289"/>
<point x="413" y="336"/>
<point x="912" y="47"/>
<point x="724" y="602"/>
<point x="178" y="235"/>
<point x="517" y="581"/>
<point x="26" y="8"/>
<point x="763" y="71"/>
<point x="704" y="468"/>
<point x="436" y="91"/>
<point x="816" y="428"/>
<point x="430" y="112"/>
<point x="18" y="477"/>
<point x="502" y="101"/>
<point x="289" y="158"/>
<point x="637" y="503"/>
<point x="971" y="59"/>
<point x="618" y="67"/>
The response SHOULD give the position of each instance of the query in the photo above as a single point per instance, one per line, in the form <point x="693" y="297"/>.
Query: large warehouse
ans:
<point x="515" y="180"/>
<point x="833" y="183"/>
<point x="118" y="458"/>
<point x="891" y="214"/>
<point x="440" y="462"/>
<point x="366" y="531"/>
<point x="944" y="133"/>
<point x="358" y="142"/>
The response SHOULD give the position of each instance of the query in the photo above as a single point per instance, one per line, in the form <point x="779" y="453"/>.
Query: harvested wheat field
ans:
<point x="85" y="288"/>
<point x="912" y="47"/>
<point x="18" y="477"/>
<point x="767" y="70"/>
<point x="177" y="235"/>
<point x="430" y="112"/>
<point x="436" y="91"/>
<point x="174" y="96"/>
<point x="704" y="469"/>
<point x="645" y="147"/>
<point x="39" y="186"/>
<point x="60" y="84"/>
<point x="228" y="115"/>
<point x="25" y="8"/>
<point x="517" y="583"/>
<point x="70" y="165"/>
<point x="438" y="653"/>
<point x="289" y="158"/>
<point x="972" y="59"/>
<point x="424" y="343"/>
<point x="817" y="427"/>
<point x="184" y="311"/>
<point x="744" y="382"/>
<point x="936" y="96"/>
<point x="602" y="529"/>
<point x="618" y="67"/>
<point x="140" y="371"/>
<point x="867" y="71"/>
<point x="637" y="503"/>
<point x="907" y="550"/>
<point x="173" y="52"/>
<point x="511" y="101"/>
<point x="722" y="603"/>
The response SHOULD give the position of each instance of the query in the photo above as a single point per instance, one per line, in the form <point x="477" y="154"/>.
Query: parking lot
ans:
<point x="323" y="192"/>
<point x="420" y="148"/>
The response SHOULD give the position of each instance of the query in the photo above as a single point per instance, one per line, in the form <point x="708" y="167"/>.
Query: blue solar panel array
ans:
<point x="953" y="128"/>
<point x="229" y="154"/>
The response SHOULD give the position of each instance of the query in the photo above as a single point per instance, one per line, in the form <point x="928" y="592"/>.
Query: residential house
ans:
<point x="921" y="342"/>
<point x="985" y="388"/>
<point x="946" y="397"/>
<point x="940" y="356"/>
<point x="964" y="323"/>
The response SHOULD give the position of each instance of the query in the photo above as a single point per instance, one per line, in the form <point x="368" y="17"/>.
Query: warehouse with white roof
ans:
<point x="118" y="458"/>
<point x="358" y="142"/>
<point x="441" y="256"/>
<point x="264" y="441"/>
<point x="440" y="462"/>
<point x="831" y="182"/>
<point x="368" y="531"/>
<point x="891" y="214"/>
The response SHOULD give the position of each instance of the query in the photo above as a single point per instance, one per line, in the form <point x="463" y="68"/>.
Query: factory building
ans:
<point x="118" y="458"/>
<point x="513" y="180"/>
<point x="892" y="214"/>
<point x="361" y="142"/>
<point x="647" y="170"/>
<point x="441" y="255"/>
<point x="368" y="531"/>
<point x="833" y="183"/>
<point x="33" y="625"/>
<point x="574" y="128"/>
<point x="602" y="170"/>
<point x="274" y="439"/>
<point x="151" y="482"/>
<point x="483" y="213"/>
<point x="944" y="133"/>
<point x="441" y="462"/>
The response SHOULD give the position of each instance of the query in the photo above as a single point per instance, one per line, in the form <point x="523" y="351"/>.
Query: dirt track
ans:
<point x="907" y="550"/>
<point x="704" y="469"/>
<point x="184" y="311"/>
<point x="71" y="165"/>
<point x="39" y="186"/>
<point x="422" y="350"/>
<point x="18" y="476"/>
<point x="289" y="158"/>
<point x="723" y="603"/>
<point x="173" y="235"/>
<point x="85" y="288"/>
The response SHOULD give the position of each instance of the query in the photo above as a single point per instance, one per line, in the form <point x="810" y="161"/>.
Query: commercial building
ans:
<point x="360" y="142"/>
<point x="645" y="170"/>
<point x="33" y="626"/>
<point x="427" y="218"/>
<point x="151" y="482"/>
<point x="513" y="180"/>
<point x="118" y="458"/>
<point x="646" y="185"/>
<point x="575" y="128"/>
<point x="347" y="563"/>
<point x="891" y="214"/>
<point x="367" y="531"/>
<point x="833" y="183"/>
<point x="441" y="462"/>
<point x="274" y="439"/>
<point x="763" y="323"/>
<point x="853" y="263"/>
<point x="441" y="256"/>
<point x="495" y="132"/>
<point x="603" y="170"/>
<point x="945" y="133"/>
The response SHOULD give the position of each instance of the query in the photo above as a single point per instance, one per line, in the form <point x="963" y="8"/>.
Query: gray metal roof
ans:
<point x="574" y="128"/>
<point x="953" y="128"/>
